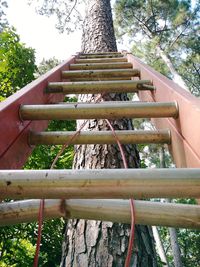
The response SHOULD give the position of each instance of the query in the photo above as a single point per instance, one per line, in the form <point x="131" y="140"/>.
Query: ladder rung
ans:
<point x="146" y="212"/>
<point x="100" y="137"/>
<point x="87" y="79"/>
<point x="108" y="55"/>
<point x="103" y="110"/>
<point x="100" y="73"/>
<point x="95" y="87"/>
<point x="101" y="53"/>
<point x="105" y="183"/>
<point x="101" y="60"/>
<point x="98" y="66"/>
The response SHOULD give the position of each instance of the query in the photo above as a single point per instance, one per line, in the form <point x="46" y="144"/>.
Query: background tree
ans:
<point x="17" y="63"/>
<point x="165" y="30"/>
<point x="46" y="64"/>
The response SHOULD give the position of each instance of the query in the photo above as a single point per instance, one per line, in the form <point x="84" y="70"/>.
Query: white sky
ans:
<point x="39" y="32"/>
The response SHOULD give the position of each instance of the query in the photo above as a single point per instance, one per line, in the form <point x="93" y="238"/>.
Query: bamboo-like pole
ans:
<point x="147" y="213"/>
<point x="98" y="66"/>
<point x="101" y="53"/>
<point x="104" y="110"/>
<point x="116" y="183"/>
<point x="98" y="74"/>
<point x="119" y="78"/>
<point x="96" y="87"/>
<point x="108" y="55"/>
<point x="100" y="137"/>
<point x="101" y="60"/>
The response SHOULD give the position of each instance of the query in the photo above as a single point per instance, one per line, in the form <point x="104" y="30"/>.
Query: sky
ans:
<point x="39" y="32"/>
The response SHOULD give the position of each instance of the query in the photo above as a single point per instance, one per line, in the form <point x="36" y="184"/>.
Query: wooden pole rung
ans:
<point x="146" y="213"/>
<point x="98" y="66"/>
<point x="110" y="73"/>
<point x="86" y="79"/>
<point x="104" y="110"/>
<point x="96" y="87"/>
<point x="100" y="137"/>
<point x="107" y="183"/>
<point x="107" y="55"/>
<point x="101" y="53"/>
<point x="101" y="60"/>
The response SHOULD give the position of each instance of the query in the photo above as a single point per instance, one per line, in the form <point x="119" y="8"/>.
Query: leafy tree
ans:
<point x="17" y="63"/>
<point x="46" y="64"/>
<point x="165" y="30"/>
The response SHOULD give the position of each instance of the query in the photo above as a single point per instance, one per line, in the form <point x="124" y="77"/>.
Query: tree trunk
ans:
<point x="172" y="231"/>
<point x="175" y="247"/>
<point x="96" y="243"/>
<point x="176" y="77"/>
<point x="159" y="246"/>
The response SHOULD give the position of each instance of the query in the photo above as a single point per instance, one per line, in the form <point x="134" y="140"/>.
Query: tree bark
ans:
<point x="96" y="243"/>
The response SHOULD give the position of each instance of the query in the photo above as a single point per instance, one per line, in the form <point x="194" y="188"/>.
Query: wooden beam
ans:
<point x="95" y="87"/>
<point x="116" y="183"/>
<point x="147" y="213"/>
<point x="101" y="60"/>
<point x="103" y="55"/>
<point x="98" y="66"/>
<point x="99" y="137"/>
<point x="98" y="74"/>
<point x="105" y="110"/>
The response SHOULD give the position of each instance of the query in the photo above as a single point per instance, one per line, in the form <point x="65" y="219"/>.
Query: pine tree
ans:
<point x="96" y="243"/>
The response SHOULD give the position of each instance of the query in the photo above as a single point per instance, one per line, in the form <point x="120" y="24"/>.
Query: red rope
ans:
<point x="42" y="201"/>
<point x="132" y="232"/>
<point x="39" y="235"/>
<point x="132" y="235"/>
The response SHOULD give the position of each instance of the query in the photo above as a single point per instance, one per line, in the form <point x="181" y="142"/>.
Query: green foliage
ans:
<point x="43" y="156"/>
<point x="17" y="63"/>
<point x="18" y="244"/>
<point x="45" y="65"/>
<point x="146" y="52"/>
<point x="15" y="241"/>
<point x="189" y="243"/>
<point x="169" y="26"/>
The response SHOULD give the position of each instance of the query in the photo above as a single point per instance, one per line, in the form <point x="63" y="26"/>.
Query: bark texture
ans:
<point x="96" y="243"/>
<point x="98" y="31"/>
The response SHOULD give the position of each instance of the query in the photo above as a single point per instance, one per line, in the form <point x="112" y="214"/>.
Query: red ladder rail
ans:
<point x="185" y="131"/>
<point x="14" y="148"/>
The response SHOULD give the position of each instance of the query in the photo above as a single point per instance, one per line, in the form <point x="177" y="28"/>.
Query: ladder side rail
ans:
<point x="185" y="131"/>
<point x="14" y="148"/>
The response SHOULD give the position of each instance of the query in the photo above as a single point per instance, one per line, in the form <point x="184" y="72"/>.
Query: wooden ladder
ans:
<point x="25" y="115"/>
